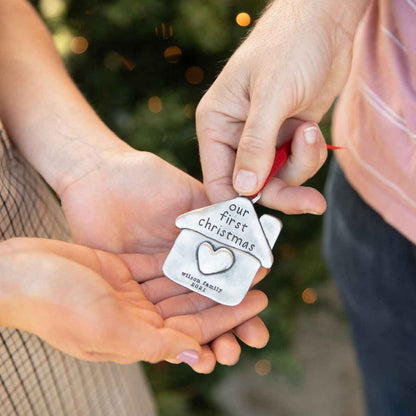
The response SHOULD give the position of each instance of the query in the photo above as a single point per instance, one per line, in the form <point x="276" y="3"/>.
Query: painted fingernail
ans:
<point x="245" y="181"/>
<point x="190" y="357"/>
<point x="310" y="134"/>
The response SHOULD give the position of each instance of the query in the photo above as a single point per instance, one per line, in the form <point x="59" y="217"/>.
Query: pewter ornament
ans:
<point x="220" y="249"/>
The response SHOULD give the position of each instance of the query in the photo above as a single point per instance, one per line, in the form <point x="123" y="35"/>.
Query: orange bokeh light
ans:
<point x="172" y="54"/>
<point x="155" y="104"/>
<point x="78" y="45"/>
<point x="194" y="75"/>
<point x="263" y="367"/>
<point x="190" y="111"/>
<point x="309" y="296"/>
<point x="243" y="19"/>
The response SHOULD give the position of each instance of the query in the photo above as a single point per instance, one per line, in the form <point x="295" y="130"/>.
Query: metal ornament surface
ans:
<point x="211" y="261"/>
<point x="221" y="248"/>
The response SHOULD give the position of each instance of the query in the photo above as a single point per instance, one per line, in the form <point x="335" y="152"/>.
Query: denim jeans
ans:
<point x="375" y="270"/>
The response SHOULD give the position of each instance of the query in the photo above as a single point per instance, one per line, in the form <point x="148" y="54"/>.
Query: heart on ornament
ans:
<point x="211" y="261"/>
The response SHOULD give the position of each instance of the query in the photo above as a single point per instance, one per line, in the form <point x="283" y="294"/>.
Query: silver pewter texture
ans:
<point x="220" y="249"/>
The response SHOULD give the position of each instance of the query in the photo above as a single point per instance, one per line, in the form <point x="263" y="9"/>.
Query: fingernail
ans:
<point x="245" y="181"/>
<point x="189" y="357"/>
<point x="310" y="134"/>
<point x="313" y="212"/>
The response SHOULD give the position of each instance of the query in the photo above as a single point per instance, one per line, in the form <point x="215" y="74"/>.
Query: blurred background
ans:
<point x="144" y="65"/>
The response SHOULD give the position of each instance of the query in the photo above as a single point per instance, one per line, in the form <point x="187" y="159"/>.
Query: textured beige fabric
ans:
<point x="36" y="379"/>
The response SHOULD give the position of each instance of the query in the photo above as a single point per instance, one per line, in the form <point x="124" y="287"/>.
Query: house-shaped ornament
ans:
<point x="220" y="249"/>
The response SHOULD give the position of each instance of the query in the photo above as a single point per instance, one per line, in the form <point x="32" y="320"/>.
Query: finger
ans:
<point x="103" y="357"/>
<point x="292" y="199"/>
<point x="257" y="145"/>
<point x="142" y="309"/>
<point x="226" y="348"/>
<point x="132" y="338"/>
<point x="179" y="300"/>
<point x="253" y="332"/>
<point x="216" y="133"/>
<point x="209" y="324"/>
<point x="185" y="304"/>
<point x="158" y="289"/>
<point x="260" y="275"/>
<point x="144" y="266"/>
<point x="207" y="361"/>
<point x="308" y="153"/>
<point x="189" y="302"/>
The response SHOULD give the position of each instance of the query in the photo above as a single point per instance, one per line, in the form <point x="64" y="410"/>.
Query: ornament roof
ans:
<point x="212" y="222"/>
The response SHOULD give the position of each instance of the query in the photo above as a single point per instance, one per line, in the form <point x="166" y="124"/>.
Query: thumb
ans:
<point x="257" y="145"/>
<point x="168" y="344"/>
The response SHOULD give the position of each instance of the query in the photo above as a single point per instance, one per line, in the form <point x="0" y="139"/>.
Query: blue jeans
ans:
<point x="375" y="269"/>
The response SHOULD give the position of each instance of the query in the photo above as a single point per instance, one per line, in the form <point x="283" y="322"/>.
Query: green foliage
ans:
<point x="122" y="68"/>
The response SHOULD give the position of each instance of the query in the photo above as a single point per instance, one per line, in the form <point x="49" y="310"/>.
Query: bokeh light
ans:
<point x="62" y="40"/>
<point x="309" y="296"/>
<point x="263" y="367"/>
<point x="127" y="63"/>
<point x="155" y="104"/>
<point x="172" y="54"/>
<point x="79" y="45"/>
<point x="163" y="30"/>
<point x="190" y="111"/>
<point x="194" y="75"/>
<point x="52" y="9"/>
<point x="243" y="19"/>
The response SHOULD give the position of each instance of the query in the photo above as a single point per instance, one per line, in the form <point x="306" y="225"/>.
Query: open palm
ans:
<point x="128" y="205"/>
<point x="86" y="303"/>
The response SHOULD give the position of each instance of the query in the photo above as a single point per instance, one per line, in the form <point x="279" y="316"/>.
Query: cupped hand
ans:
<point x="86" y="303"/>
<point x="277" y="85"/>
<point x="128" y="204"/>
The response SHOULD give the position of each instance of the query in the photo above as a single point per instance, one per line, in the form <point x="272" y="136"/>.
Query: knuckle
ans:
<point x="254" y="144"/>
<point x="149" y="290"/>
<point x="200" y="109"/>
<point x="159" y="347"/>
<point x="311" y="166"/>
<point x="203" y="333"/>
<point x="208" y="134"/>
<point x="154" y="356"/>
<point x="161" y="310"/>
<point x="203" y="110"/>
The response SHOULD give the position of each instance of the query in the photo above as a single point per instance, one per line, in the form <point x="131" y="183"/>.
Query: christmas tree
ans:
<point x="144" y="65"/>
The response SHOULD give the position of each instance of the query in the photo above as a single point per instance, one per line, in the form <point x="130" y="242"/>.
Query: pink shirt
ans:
<point x="376" y="114"/>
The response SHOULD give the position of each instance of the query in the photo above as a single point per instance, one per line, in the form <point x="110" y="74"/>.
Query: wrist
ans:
<point x="78" y="157"/>
<point x="59" y="133"/>
<point x="347" y="14"/>
<point x="344" y="15"/>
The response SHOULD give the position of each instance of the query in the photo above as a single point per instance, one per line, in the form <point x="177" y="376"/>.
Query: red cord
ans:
<point x="282" y="155"/>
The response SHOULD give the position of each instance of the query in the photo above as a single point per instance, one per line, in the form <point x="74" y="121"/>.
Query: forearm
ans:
<point x="346" y="14"/>
<point x="46" y="116"/>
